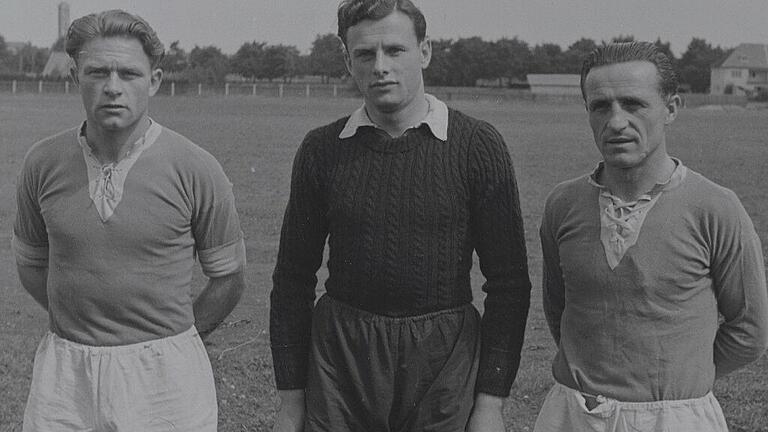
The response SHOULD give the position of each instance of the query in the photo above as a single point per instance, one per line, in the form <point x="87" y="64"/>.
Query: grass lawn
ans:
<point x="255" y="140"/>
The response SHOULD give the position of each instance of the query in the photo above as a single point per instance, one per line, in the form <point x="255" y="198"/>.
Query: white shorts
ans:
<point x="160" y="385"/>
<point x="565" y="409"/>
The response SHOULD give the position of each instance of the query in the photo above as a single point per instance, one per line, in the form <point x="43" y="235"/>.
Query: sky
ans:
<point x="229" y="23"/>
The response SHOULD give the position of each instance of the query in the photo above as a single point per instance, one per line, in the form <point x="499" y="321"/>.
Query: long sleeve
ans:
<point x="497" y="228"/>
<point x="553" y="288"/>
<point x="738" y="273"/>
<point x="302" y="241"/>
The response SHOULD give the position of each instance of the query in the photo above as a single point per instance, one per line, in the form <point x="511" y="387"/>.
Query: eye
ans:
<point x="130" y="74"/>
<point x="599" y="106"/>
<point x="97" y="73"/>
<point x="393" y="51"/>
<point x="364" y="54"/>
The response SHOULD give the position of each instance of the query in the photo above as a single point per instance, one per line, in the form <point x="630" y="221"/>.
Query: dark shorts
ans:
<point x="381" y="374"/>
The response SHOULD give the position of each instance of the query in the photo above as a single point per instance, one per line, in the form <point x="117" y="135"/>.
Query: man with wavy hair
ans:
<point x="405" y="190"/>
<point x="641" y="257"/>
<point x="111" y="217"/>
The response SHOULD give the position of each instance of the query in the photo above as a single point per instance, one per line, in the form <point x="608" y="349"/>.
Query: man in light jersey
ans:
<point x="640" y="258"/>
<point x="112" y="215"/>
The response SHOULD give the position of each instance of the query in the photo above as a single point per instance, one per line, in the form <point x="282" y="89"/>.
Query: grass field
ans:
<point x="255" y="140"/>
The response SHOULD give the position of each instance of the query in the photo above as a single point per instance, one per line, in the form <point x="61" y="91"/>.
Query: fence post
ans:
<point x="307" y="90"/>
<point x="173" y="88"/>
<point x="40" y="86"/>
<point x="279" y="90"/>
<point x="199" y="89"/>
<point x="13" y="87"/>
<point x="253" y="90"/>
<point x="335" y="90"/>
<point x="66" y="87"/>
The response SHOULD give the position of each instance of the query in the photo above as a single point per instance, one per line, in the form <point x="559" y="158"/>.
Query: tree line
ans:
<point x="463" y="62"/>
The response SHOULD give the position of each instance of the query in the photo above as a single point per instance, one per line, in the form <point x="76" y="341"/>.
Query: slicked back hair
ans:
<point x="633" y="51"/>
<point x="114" y="23"/>
<point x="351" y="12"/>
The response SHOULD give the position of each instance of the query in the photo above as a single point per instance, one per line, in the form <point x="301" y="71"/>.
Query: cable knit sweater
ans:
<point x="402" y="217"/>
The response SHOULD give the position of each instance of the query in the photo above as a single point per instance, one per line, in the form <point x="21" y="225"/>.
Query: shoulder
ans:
<point x="709" y="198"/>
<point x="183" y="151"/>
<point x="326" y="134"/>
<point x="461" y="123"/>
<point x="568" y="194"/>
<point x="49" y="150"/>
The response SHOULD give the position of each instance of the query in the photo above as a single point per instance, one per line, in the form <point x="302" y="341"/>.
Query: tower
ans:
<point x="63" y="19"/>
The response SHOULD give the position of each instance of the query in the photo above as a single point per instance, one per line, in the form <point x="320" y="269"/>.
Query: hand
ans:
<point x="290" y="416"/>
<point x="487" y="414"/>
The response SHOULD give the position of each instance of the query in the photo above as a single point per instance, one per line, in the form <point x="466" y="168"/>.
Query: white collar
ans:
<point x="436" y="119"/>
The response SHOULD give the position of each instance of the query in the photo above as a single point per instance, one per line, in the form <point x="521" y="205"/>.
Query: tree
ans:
<point x="326" y="58"/>
<point x="666" y="48"/>
<point x="509" y="59"/>
<point x="247" y="61"/>
<point x="279" y="61"/>
<point x="208" y="64"/>
<point x="547" y="58"/>
<point x="576" y="53"/>
<point x="622" y="38"/>
<point x="470" y="60"/>
<point x="695" y="64"/>
<point x="438" y="73"/>
<point x="175" y="60"/>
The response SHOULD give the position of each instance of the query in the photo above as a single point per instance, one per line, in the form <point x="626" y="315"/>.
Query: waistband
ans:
<point x="122" y="349"/>
<point x="593" y="401"/>
<point x="327" y="300"/>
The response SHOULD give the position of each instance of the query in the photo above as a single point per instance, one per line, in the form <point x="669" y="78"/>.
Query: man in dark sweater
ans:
<point x="404" y="190"/>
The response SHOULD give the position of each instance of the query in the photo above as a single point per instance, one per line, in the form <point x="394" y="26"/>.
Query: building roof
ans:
<point x="58" y="65"/>
<point x="747" y="55"/>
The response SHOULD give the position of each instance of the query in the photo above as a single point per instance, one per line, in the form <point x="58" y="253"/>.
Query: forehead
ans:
<point x="113" y="50"/>
<point x="395" y="28"/>
<point x="633" y="78"/>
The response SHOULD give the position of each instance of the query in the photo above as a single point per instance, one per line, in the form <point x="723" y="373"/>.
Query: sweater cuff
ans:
<point x="497" y="372"/>
<point x="290" y="364"/>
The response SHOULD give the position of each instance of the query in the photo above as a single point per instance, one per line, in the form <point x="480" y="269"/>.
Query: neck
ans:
<point x="109" y="146"/>
<point x="631" y="183"/>
<point x="397" y="122"/>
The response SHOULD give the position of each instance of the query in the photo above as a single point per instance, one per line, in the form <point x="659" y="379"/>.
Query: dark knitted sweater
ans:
<point x="402" y="217"/>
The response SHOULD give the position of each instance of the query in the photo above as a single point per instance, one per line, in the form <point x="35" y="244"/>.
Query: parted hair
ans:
<point x="114" y="23"/>
<point x="352" y="12"/>
<point x="621" y="52"/>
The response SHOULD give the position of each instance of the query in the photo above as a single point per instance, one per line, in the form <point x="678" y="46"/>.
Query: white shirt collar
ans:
<point x="436" y="119"/>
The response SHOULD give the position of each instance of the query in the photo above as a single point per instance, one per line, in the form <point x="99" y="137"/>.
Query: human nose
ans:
<point x="113" y="85"/>
<point x="618" y="118"/>
<point x="380" y="64"/>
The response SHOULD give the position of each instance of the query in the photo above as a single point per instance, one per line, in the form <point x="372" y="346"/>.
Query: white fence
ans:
<point x="199" y="89"/>
<point x="346" y="90"/>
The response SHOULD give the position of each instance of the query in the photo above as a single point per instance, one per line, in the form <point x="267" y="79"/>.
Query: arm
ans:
<point x="290" y="415"/>
<point x="302" y="240"/>
<point x="553" y="288"/>
<point x="30" y="236"/>
<point x="738" y="276"/>
<point x="497" y="227"/>
<point x="487" y="414"/>
<point x="216" y="301"/>
<point x="34" y="280"/>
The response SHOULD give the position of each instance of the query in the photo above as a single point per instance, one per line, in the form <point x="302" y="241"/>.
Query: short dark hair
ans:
<point x="351" y="12"/>
<point x="621" y="52"/>
<point x="114" y="23"/>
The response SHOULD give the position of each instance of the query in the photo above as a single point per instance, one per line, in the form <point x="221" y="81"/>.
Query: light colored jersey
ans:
<point x="125" y="278"/>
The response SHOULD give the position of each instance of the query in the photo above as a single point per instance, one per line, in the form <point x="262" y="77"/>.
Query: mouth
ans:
<point x="619" y="140"/>
<point x="382" y="84"/>
<point x="112" y="106"/>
